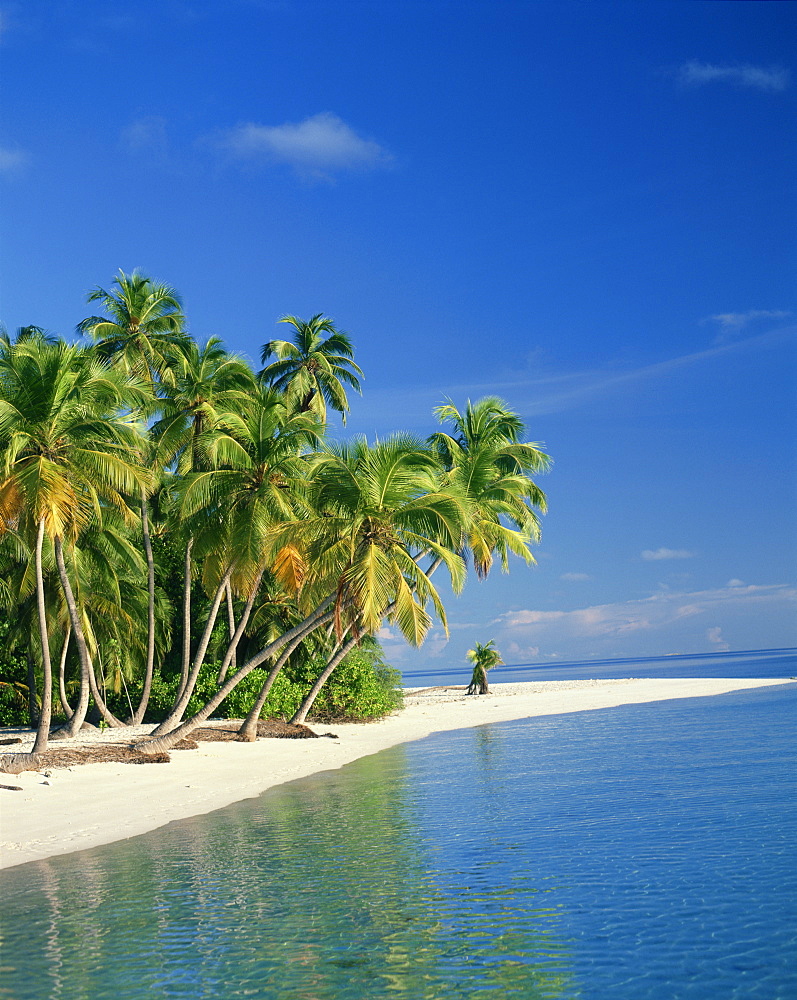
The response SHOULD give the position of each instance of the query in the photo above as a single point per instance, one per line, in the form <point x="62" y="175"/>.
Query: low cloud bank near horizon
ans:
<point x="687" y="621"/>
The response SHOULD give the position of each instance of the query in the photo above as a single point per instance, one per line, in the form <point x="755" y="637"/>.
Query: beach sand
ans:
<point x="71" y="809"/>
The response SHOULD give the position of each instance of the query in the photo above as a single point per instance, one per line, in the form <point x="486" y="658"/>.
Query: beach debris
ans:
<point x="8" y="742"/>
<point x="186" y="744"/>
<point x="12" y="788"/>
<point x="16" y="763"/>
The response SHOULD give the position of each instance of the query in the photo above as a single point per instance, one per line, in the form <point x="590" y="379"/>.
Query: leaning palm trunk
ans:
<point x="79" y="715"/>
<point x="186" y="619"/>
<point x="167" y="741"/>
<point x="45" y="715"/>
<point x="231" y="626"/>
<point x="99" y="700"/>
<point x="65" y="707"/>
<point x="248" y="731"/>
<point x="138" y="715"/>
<point x="229" y="656"/>
<point x="342" y="650"/>
<point x="185" y="696"/>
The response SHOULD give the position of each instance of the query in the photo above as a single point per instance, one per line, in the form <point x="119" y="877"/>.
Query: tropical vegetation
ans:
<point x="180" y="536"/>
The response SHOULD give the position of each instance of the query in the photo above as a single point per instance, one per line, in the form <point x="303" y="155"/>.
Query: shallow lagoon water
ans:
<point x="644" y="852"/>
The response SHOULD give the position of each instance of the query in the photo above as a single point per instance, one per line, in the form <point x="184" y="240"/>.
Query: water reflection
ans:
<point x="326" y="888"/>
<point x="637" y="853"/>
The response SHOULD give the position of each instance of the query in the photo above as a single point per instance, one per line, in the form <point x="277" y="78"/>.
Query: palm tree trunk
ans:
<point x="334" y="660"/>
<point x="45" y="715"/>
<point x="236" y="638"/>
<point x="231" y="626"/>
<point x="33" y="705"/>
<point x="248" y="731"/>
<point x="167" y="741"/>
<point x="186" y="619"/>
<point x="79" y="715"/>
<point x="182" y="702"/>
<point x="142" y="705"/>
<point x="99" y="701"/>
<point x="61" y="671"/>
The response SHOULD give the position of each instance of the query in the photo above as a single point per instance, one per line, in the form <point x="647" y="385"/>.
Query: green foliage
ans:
<point x="13" y="682"/>
<point x="362" y="688"/>
<point x="237" y="472"/>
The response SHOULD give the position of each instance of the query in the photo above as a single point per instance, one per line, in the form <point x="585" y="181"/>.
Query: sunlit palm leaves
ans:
<point x="311" y="370"/>
<point x="490" y="469"/>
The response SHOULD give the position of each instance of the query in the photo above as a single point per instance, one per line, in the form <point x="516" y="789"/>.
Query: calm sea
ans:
<point x="750" y="663"/>
<point x="638" y="853"/>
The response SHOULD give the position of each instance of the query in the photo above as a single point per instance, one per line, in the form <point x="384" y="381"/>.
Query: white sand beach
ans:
<point x="71" y="809"/>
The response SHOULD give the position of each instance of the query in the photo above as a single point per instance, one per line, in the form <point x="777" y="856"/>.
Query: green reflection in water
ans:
<point x="331" y="887"/>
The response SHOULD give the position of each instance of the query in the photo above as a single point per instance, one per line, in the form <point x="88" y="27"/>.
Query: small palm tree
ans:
<point x="311" y="369"/>
<point x="484" y="658"/>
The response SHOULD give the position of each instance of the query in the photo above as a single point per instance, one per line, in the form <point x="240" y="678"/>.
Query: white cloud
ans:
<point x="146" y="135"/>
<point x="575" y="577"/>
<point x="12" y="160"/>
<point x="319" y="145"/>
<point x="517" y="653"/>
<point x="694" y="73"/>
<point x="735" y="583"/>
<point x="714" y="636"/>
<point x="653" y="555"/>
<point x="646" y="625"/>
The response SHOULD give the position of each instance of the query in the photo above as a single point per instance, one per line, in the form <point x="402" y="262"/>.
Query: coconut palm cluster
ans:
<point x="136" y="445"/>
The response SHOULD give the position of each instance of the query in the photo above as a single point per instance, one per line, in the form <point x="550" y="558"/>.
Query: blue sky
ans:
<point x="585" y="208"/>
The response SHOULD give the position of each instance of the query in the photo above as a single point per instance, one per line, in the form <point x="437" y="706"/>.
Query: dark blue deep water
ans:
<point x="638" y="853"/>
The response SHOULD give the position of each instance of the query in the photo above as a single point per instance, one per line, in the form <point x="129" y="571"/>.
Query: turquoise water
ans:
<point x="638" y="853"/>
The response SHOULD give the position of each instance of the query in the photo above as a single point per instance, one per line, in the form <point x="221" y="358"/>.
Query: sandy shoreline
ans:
<point x="72" y="809"/>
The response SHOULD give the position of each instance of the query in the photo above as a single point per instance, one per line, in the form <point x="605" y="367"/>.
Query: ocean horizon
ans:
<point x="779" y="662"/>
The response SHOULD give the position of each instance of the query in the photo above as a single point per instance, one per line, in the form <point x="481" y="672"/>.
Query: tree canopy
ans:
<point x="272" y="552"/>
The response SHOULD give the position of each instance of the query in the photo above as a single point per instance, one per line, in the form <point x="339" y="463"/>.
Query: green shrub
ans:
<point x="363" y="687"/>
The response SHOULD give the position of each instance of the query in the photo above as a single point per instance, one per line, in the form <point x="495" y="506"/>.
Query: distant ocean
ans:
<point x="748" y="663"/>
<point x="640" y="853"/>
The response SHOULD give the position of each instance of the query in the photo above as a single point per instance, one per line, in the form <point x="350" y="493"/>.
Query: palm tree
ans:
<point x="247" y="483"/>
<point x="205" y="383"/>
<point x="490" y="468"/>
<point x="380" y="509"/>
<point x="484" y="658"/>
<point x="144" y="318"/>
<point x="311" y="369"/>
<point x="376" y="511"/>
<point x="143" y="324"/>
<point x="65" y="453"/>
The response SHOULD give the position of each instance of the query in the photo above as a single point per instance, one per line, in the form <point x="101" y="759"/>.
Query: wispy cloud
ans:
<point x="732" y="324"/>
<point x="653" y="555"/>
<point x="320" y="146"/>
<point x="575" y="577"/>
<point x="12" y="159"/>
<point x="146" y="135"/>
<point x="696" y="74"/>
<point x="534" y="396"/>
